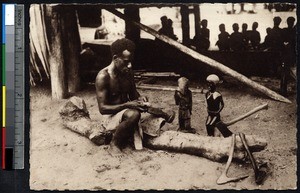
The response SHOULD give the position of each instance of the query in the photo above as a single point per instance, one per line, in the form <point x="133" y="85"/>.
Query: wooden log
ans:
<point x="207" y="60"/>
<point x="164" y="88"/>
<point x="72" y="48"/>
<point x="213" y="148"/>
<point x="75" y="117"/>
<point x="58" y="76"/>
<point x="158" y="74"/>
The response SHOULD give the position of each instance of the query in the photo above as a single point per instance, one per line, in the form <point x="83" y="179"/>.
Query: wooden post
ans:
<point x="197" y="18"/>
<point x="215" y="64"/>
<point x="185" y="25"/>
<point x="72" y="47"/>
<point x="59" y="86"/>
<point x="131" y="31"/>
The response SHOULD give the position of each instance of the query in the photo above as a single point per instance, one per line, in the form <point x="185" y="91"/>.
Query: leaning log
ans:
<point x="205" y="59"/>
<point x="75" y="117"/>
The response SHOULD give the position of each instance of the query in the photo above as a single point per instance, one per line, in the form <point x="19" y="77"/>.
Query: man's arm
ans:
<point x="104" y="105"/>
<point x="134" y="94"/>
<point x="102" y="80"/>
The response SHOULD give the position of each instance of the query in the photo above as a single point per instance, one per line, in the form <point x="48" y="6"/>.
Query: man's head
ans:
<point x="244" y="27"/>
<point x="277" y="21"/>
<point x="254" y="26"/>
<point x="122" y="51"/>
<point x="212" y="81"/>
<point x="290" y="21"/>
<point x="204" y="23"/>
<point x="222" y="27"/>
<point x="183" y="83"/>
<point x="235" y="27"/>
<point x="268" y="30"/>
<point x="164" y="20"/>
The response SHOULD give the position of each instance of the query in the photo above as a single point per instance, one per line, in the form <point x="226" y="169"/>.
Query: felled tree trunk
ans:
<point x="75" y="117"/>
<point x="213" y="148"/>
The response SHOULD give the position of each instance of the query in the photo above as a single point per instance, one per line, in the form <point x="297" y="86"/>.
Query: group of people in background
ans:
<point x="277" y="39"/>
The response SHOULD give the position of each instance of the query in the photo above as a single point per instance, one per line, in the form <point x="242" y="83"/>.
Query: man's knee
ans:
<point x="132" y="115"/>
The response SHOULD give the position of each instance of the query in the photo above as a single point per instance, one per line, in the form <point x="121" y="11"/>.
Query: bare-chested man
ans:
<point x="118" y="99"/>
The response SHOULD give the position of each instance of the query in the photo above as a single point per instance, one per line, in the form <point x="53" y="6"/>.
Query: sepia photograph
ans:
<point x="163" y="96"/>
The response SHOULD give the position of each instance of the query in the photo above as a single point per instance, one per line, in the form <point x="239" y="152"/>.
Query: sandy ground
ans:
<point x="61" y="159"/>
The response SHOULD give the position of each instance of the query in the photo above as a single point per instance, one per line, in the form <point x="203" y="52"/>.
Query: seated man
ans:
<point x="118" y="99"/>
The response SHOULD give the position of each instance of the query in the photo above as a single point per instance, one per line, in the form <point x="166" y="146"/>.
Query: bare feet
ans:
<point x="114" y="151"/>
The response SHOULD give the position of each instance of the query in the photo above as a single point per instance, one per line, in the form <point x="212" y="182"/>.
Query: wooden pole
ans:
<point x="59" y="84"/>
<point x="72" y="47"/>
<point x="185" y="25"/>
<point x="207" y="60"/>
<point x="132" y="32"/>
<point x="197" y="19"/>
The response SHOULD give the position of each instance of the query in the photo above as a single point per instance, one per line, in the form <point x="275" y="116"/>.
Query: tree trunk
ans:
<point x="72" y="47"/>
<point x="59" y="85"/>
<point x="207" y="60"/>
<point x="213" y="148"/>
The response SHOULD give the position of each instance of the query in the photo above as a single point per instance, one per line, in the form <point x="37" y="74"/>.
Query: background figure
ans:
<point x="276" y="35"/>
<point x="101" y="33"/>
<point x="223" y="41"/>
<point x="236" y="39"/>
<point x="267" y="44"/>
<point x="288" y="53"/>
<point x="201" y="40"/>
<point x="183" y="98"/>
<point x="170" y="30"/>
<point x="245" y="33"/>
<point x="254" y="36"/>
<point x="164" y="23"/>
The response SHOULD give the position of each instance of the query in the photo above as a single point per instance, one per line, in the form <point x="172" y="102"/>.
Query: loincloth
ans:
<point x="149" y="124"/>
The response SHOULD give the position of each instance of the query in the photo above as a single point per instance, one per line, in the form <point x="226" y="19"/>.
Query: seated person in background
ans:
<point x="266" y="45"/>
<point x="276" y="36"/>
<point x="236" y="39"/>
<point x="101" y="33"/>
<point x="170" y="30"/>
<point x="201" y="40"/>
<point x="223" y="41"/>
<point x="245" y="33"/>
<point x="164" y="25"/>
<point x="254" y="37"/>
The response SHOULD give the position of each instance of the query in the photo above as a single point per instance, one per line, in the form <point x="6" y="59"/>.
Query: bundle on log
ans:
<point x="75" y="117"/>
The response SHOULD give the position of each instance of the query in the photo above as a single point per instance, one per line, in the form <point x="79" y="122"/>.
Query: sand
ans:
<point x="61" y="159"/>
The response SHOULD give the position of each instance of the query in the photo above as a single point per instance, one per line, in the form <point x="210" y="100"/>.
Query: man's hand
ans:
<point x="138" y="105"/>
<point x="143" y="99"/>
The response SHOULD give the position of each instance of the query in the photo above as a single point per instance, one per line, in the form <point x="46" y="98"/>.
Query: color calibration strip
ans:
<point x="12" y="86"/>
<point x="8" y="64"/>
